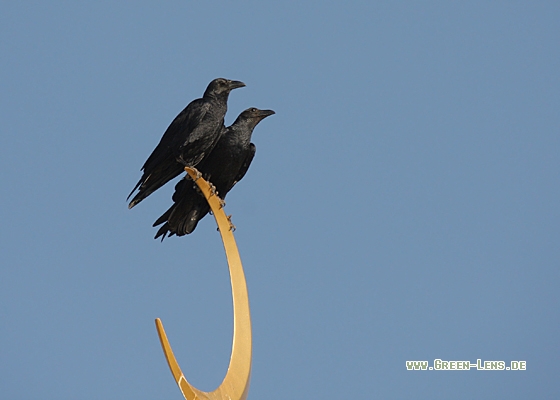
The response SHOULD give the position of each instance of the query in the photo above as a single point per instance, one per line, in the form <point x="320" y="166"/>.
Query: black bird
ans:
<point x="224" y="167"/>
<point x="190" y="137"/>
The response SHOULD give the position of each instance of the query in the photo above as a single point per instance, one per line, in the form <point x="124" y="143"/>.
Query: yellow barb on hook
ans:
<point x="235" y="385"/>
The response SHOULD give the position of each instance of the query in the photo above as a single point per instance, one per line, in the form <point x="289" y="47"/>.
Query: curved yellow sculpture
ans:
<point x="235" y="385"/>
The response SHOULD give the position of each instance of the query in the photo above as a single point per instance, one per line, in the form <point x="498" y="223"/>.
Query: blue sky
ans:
<point x="403" y="203"/>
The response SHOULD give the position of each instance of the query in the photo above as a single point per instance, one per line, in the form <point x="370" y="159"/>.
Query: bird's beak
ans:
<point x="265" y="113"/>
<point x="235" y="84"/>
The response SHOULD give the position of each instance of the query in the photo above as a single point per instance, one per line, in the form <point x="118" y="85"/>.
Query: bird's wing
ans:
<point x="245" y="166"/>
<point x="193" y="121"/>
<point x="178" y="131"/>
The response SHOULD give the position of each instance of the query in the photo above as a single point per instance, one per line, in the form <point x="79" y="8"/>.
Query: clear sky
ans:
<point x="403" y="204"/>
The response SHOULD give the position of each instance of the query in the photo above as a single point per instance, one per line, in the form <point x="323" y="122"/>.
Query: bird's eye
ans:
<point x="253" y="109"/>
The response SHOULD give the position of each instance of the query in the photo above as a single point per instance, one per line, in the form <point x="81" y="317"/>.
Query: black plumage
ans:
<point x="224" y="167"/>
<point x="190" y="137"/>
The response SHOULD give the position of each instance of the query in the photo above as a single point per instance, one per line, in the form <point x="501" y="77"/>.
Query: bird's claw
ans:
<point x="231" y="226"/>
<point x="213" y="191"/>
<point x="197" y="174"/>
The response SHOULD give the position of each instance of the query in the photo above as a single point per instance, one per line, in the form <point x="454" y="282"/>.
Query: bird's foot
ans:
<point x="213" y="191"/>
<point x="197" y="174"/>
<point x="231" y="226"/>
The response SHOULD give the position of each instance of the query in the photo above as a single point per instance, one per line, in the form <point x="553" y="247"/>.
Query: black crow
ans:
<point x="190" y="137"/>
<point x="224" y="167"/>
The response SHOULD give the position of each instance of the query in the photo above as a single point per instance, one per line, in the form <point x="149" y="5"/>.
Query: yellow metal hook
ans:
<point x="235" y="385"/>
